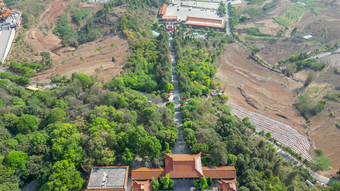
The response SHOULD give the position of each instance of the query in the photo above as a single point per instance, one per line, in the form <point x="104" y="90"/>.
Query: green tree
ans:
<point x="16" y="159"/>
<point x="128" y="156"/>
<point x="84" y="79"/>
<point x="201" y="184"/>
<point x="155" y="184"/>
<point x="64" y="177"/>
<point x="169" y="87"/>
<point x="165" y="182"/>
<point x="335" y="186"/>
<point x="27" y="123"/>
<point x="222" y="9"/>
<point x="57" y="114"/>
<point x="268" y="135"/>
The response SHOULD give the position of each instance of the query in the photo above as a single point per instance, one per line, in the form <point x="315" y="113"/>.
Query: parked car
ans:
<point x="166" y="99"/>
<point x="183" y="98"/>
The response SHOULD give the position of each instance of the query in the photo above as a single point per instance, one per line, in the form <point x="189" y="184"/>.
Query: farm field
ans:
<point x="292" y="14"/>
<point x="320" y="19"/>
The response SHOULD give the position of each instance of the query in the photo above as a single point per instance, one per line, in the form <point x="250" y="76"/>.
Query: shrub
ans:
<point x="26" y="26"/>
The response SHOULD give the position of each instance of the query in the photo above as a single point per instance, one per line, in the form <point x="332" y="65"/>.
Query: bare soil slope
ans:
<point x="324" y="132"/>
<point x="269" y="91"/>
<point x="94" y="58"/>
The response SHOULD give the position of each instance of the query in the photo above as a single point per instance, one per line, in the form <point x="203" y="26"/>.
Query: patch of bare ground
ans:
<point x="270" y="92"/>
<point x="323" y="131"/>
<point x="94" y="58"/>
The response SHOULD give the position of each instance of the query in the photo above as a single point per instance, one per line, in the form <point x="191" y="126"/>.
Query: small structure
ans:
<point x="141" y="185"/>
<point x="309" y="183"/>
<point x="4" y="11"/>
<point x="202" y="22"/>
<point x="108" y="178"/>
<point x="227" y="185"/>
<point x="307" y="36"/>
<point x="169" y="18"/>
<point x="32" y="88"/>
<point x="162" y="10"/>
<point x="170" y="28"/>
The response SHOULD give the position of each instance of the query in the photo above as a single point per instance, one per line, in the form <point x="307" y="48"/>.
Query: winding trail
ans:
<point x="180" y="146"/>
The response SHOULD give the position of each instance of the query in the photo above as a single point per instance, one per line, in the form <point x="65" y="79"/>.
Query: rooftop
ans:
<point x="227" y="185"/>
<point x="183" y="12"/>
<point x="141" y="185"/>
<point x="225" y="172"/>
<point x="145" y="173"/>
<point x="183" y="165"/>
<point x="106" y="178"/>
<point x="203" y="21"/>
<point x="162" y="10"/>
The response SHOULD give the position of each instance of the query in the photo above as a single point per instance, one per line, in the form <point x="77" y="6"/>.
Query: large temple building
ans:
<point x="186" y="166"/>
<point x="192" y="16"/>
<point x="177" y="166"/>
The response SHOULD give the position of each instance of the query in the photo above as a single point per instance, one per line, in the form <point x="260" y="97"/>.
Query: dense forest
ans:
<point x="52" y="135"/>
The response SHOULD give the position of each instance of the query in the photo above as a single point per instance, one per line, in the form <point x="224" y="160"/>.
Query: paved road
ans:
<point x="323" y="54"/>
<point x="227" y="16"/>
<point x="180" y="146"/>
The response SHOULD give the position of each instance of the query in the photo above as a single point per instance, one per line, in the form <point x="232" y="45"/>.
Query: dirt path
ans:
<point x="180" y="146"/>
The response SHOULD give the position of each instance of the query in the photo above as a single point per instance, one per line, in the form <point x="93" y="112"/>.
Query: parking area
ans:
<point x="183" y="12"/>
<point x="199" y="4"/>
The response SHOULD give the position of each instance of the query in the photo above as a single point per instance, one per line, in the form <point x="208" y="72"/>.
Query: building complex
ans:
<point x="177" y="166"/>
<point x="9" y="21"/>
<point x="192" y="17"/>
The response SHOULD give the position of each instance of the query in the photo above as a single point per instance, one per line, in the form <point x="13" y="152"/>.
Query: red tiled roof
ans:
<point x="205" y="22"/>
<point x="146" y="173"/>
<point x="225" y="172"/>
<point x="162" y="10"/>
<point x="169" y="18"/>
<point x="227" y="185"/>
<point x="141" y="185"/>
<point x="183" y="165"/>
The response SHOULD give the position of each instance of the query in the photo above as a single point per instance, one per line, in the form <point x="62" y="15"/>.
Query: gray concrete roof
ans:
<point x="107" y="177"/>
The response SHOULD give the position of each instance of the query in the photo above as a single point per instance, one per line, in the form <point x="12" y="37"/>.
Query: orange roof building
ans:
<point x="162" y="10"/>
<point x="183" y="166"/>
<point x="4" y="11"/>
<point x="141" y="185"/>
<point x="227" y="185"/>
<point x="169" y="18"/>
<point x="147" y="173"/>
<point x="202" y="22"/>
<point x="223" y="172"/>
